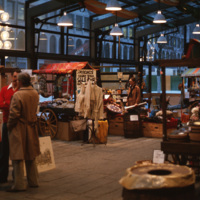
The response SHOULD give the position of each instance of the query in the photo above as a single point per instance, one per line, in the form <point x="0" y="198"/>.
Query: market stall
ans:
<point x="186" y="152"/>
<point x="60" y="80"/>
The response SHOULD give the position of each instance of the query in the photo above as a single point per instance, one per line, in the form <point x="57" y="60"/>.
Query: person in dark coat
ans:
<point x="23" y="134"/>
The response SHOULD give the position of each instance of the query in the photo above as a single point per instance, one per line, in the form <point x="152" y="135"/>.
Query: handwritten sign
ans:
<point x="83" y="75"/>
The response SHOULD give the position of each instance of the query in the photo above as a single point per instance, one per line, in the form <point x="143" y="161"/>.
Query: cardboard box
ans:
<point x="66" y="133"/>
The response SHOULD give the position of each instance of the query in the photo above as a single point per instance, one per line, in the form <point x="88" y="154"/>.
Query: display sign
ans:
<point x="120" y="75"/>
<point x="83" y="75"/>
<point x="158" y="156"/>
<point x="45" y="161"/>
<point x="134" y="118"/>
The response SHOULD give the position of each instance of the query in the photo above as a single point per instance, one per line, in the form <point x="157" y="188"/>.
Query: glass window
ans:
<point x="131" y="53"/>
<point x="20" y="12"/>
<point x="86" y="48"/>
<point x="52" y="44"/>
<point x="43" y="43"/>
<point x="124" y="29"/>
<point x="11" y="9"/>
<point x="21" y="40"/>
<point x="130" y="32"/>
<point x="78" y="22"/>
<point x="71" y="16"/>
<point x="86" y="23"/>
<point x="54" y="19"/>
<point x="2" y="3"/>
<point x="125" y="53"/>
<point x="107" y="51"/>
<point x="70" y="45"/>
<point x="15" y="62"/>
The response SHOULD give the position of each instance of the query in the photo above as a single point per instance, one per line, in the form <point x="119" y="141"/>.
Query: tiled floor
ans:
<point x="85" y="172"/>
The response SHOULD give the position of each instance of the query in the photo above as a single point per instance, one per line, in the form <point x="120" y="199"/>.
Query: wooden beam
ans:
<point x="192" y="62"/>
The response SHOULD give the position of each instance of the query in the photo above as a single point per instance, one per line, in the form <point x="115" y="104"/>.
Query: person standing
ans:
<point x="23" y="134"/>
<point x="134" y="96"/>
<point x="5" y="98"/>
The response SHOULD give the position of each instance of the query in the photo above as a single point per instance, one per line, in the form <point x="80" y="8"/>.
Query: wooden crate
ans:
<point x="132" y="129"/>
<point x="116" y="128"/>
<point x="154" y="130"/>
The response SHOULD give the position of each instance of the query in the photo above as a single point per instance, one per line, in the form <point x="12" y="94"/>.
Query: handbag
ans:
<point x="78" y="125"/>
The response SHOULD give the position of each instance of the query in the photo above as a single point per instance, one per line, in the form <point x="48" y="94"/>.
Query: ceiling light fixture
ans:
<point x="196" y="29"/>
<point x="65" y="20"/>
<point x="159" y="18"/>
<point x="113" y="5"/>
<point x="162" y="39"/>
<point x="116" y="31"/>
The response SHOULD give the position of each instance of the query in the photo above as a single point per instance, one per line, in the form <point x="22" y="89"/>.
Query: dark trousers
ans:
<point x="4" y="155"/>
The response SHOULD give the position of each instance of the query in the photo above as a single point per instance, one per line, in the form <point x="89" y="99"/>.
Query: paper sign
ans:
<point x="120" y="75"/>
<point x="45" y="161"/>
<point x="133" y="117"/>
<point x="158" y="156"/>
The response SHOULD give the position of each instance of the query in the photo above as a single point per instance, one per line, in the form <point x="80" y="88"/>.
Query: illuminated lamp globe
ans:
<point x="7" y="45"/>
<point x="4" y="17"/>
<point x="5" y="35"/>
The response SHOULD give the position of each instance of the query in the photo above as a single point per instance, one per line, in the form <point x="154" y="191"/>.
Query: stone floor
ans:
<point x="85" y="172"/>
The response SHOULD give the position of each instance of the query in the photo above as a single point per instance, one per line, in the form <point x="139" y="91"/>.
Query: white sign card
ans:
<point x="158" y="156"/>
<point x="134" y="118"/>
<point x="83" y="75"/>
<point x="45" y="161"/>
<point x="120" y="75"/>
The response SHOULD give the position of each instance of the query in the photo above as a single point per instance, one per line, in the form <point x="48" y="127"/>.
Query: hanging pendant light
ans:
<point x="159" y="18"/>
<point x="116" y="31"/>
<point x="162" y="39"/>
<point x="65" y="20"/>
<point x="113" y="5"/>
<point x="196" y="29"/>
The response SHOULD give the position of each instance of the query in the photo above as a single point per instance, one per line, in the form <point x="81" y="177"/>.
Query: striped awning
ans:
<point x="192" y="72"/>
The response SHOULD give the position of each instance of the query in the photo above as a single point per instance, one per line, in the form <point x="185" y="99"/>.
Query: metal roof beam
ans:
<point x="141" y="12"/>
<point x="155" y="29"/>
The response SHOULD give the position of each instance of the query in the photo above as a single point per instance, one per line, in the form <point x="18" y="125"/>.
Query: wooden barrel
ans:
<point x="182" y="193"/>
<point x="158" y="182"/>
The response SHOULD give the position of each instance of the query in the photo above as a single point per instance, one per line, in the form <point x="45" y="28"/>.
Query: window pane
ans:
<point x="11" y="9"/>
<point x="20" y="11"/>
<point x="78" y="22"/>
